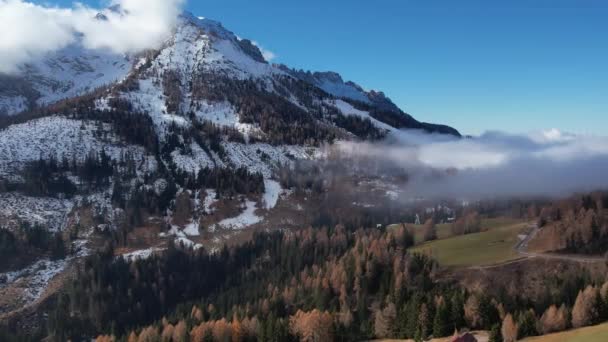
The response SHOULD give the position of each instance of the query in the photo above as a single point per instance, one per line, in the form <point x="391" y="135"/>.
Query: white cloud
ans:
<point x="30" y="30"/>
<point x="495" y="163"/>
<point x="267" y="54"/>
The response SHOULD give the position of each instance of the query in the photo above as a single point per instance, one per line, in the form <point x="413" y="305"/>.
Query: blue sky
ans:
<point x="517" y="65"/>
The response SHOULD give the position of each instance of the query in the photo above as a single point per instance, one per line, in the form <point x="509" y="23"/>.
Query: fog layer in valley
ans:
<point x="493" y="164"/>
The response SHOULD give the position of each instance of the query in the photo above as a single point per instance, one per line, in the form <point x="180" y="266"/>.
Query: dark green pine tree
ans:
<point x="57" y="247"/>
<point x="441" y="322"/>
<point x="495" y="334"/>
<point x="602" y="309"/>
<point x="457" y="311"/>
<point x="526" y="324"/>
<point x="411" y="320"/>
<point x="488" y="312"/>
<point x="208" y="336"/>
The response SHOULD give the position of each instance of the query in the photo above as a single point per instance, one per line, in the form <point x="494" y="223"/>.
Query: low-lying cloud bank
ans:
<point x="494" y="164"/>
<point x="30" y="30"/>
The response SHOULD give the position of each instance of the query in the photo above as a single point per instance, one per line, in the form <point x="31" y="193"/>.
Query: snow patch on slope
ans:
<point x="263" y="158"/>
<point x="46" y="212"/>
<point x="271" y="193"/>
<point x="191" y="229"/>
<point x="209" y="201"/>
<point x="237" y="63"/>
<point x="244" y="220"/>
<point x="149" y="98"/>
<point x="60" y="137"/>
<point x="348" y="109"/>
<point x="223" y="114"/>
<point x="37" y="276"/>
<point x="341" y="89"/>
<point x="195" y="161"/>
<point x="141" y="254"/>
<point x="248" y="216"/>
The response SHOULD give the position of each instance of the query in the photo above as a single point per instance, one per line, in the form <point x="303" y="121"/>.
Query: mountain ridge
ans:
<point x="195" y="46"/>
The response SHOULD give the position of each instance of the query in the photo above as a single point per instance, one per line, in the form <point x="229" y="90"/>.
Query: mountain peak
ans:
<point x="198" y="49"/>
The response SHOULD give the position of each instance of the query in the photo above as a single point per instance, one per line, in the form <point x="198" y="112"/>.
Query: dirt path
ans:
<point x="522" y="245"/>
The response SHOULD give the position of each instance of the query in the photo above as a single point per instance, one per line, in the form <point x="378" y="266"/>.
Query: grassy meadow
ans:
<point x="492" y="246"/>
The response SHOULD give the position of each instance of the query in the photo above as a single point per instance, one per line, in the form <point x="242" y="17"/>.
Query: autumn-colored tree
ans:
<point x="554" y="319"/>
<point x="250" y="326"/>
<point x="132" y="337"/>
<point x="430" y="231"/>
<point x="471" y="312"/>
<point x="604" y="291"/>
<point x="509" y="329"/>
<point x="167" y="333"/>
<point x="197" y="314"/>
<point x="458" y="226"/>
<point x="222" y="331"/>
<point x="105" y="338"/>
<point x="584" y="311"/>
<point x="384" y="321"/>
<point x="313" y="326"/>
<point x="149" y="334"/>
<point x="199" y="332"/>
<point x="180" y="332"/>
<point x="237" y="331"/>
<point x="346" y="317"/>
<point x="470" y="223"/>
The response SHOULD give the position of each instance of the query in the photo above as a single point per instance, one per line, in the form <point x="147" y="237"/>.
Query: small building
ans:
<point x="466" y="337"/>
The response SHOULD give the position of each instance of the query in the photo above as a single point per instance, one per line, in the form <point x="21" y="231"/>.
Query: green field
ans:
<point x="493" y="246"/>
<point x="598" y="333"/>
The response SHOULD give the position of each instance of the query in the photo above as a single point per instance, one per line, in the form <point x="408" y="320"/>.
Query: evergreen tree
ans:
<point x="495" y="334"/>
<point x="441" y="323"/>
<point x="457" y="310"/>
<point x="526" y="323"/>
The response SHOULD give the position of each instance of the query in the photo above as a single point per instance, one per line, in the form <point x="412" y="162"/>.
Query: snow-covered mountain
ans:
<point x="93" y="141"/>
<point x="67" y="73"/>
<point x="199" y="49"/>
<point x="209" y="97"/>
